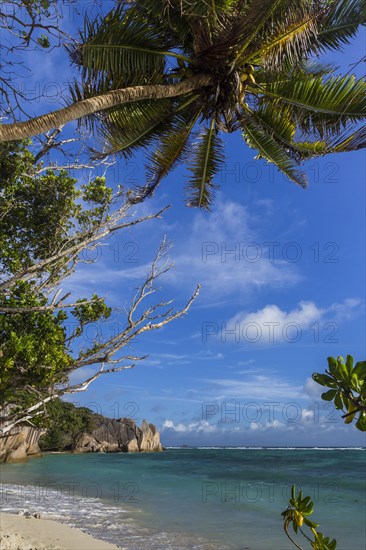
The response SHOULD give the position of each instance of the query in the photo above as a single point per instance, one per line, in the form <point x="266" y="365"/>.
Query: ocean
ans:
<point x="199" y="498"/>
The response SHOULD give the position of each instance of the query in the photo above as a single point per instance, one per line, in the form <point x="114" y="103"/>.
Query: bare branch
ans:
<point x="83" y="386"/>
<point x="80" y="242"/>
<point x="144" y="323"/>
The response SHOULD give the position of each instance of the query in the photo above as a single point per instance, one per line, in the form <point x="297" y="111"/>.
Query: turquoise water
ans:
<point x="194" y="498"/>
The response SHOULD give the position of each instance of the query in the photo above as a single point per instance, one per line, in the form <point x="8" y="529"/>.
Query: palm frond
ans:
<point x="314" y="68"/>
<point x="354" y="142"/>
<point x="305" y="150"/>
<point x="167" y="18"/>
<point x="262" y="16"/>
<point x="343" y="143"/>
<point x="241" y="25"/>
<point x="207" y="156"/>
<point x="271" y="150"/>
<point x="130" y="127"/>
<point x="122" y="43"/>
<point x="321" y="105"/>
<point x="171" y="148"/>
<point x="288" y="72"/>
<point x="288" y="40"/>
<point x="211" y="9"/>
<point x="258" y="58"/>
<point x="277" y="121"/>
<point x="341" y="23"/>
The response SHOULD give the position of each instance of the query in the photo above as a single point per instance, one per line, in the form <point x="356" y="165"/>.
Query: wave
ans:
<point x="111" y="523"/>
<point x="268" y="448"/>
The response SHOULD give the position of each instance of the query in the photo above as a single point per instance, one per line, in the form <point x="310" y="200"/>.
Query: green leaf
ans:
<point x="323" y="379"/>
<point x="329" y="395"/>
<point x="321" y="105"/>
<point x="342" y="371"/>
<point x="338" y="401"/>
<point x="122" y="43"/>
<point x="271" y="150"/>
<point x="332" y="366"/>
<point x="172" y="146"/>
<point x="341" y="23"/>
<point x="133" y="126"/>
<point x="207" y="157"/>
<point x="361" y="423"/>
<point x="43" y="41"/>
<point x="360" y="369"/>
<point x="349" y="364"/>
<point x="310" y="523"/>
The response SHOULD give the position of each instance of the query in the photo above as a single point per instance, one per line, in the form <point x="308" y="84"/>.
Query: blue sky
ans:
<point x="260" y="328"/>
<point x="282" y="273"/>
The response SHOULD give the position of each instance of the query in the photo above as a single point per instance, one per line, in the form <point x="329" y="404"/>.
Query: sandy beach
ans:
<point x="20" y="533"/>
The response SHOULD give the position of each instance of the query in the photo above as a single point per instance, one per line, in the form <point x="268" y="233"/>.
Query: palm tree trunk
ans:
<point x="45" y="123"/>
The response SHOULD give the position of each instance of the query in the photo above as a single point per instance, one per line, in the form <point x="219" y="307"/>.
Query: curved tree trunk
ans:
<point x="45" y="123"/>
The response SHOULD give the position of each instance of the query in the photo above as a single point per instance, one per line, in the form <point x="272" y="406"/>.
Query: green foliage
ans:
<point x="97" y="192"/>
<point x="42" y="213"/>
<point x="43" y="41"/>
<point x="123" y="45"/>
<point x="33" y="355"/>
<point x="39" y="212"/>
<point x="37" y="6"/>
<point x="341" y="23"/>
<point x="36" y="212"/>
<point x="204" y="164"/>
<point x="88" y="313"/>
<point x="296" y="516"/>
<point x="91" y="312"/>
<point x="265" y="142"/>
<point x="347" y="383"/>
<point x="64" y="423"/>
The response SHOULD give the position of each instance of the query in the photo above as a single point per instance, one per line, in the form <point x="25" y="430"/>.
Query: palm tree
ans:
<point x="172" y="75"/>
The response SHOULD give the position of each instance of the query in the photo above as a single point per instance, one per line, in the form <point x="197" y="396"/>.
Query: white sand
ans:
<point x="21" y="533"/>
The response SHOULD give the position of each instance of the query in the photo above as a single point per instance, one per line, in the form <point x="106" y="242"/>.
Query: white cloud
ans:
<point x="225" y="254"/>
<point x="254" y="386"/>
<point x="312" y="389"/>
<point x="222" y="250"/>
<point x="80" y="375"/>
<point x="271" y="425"/>
<point x="307" y="415"/>
<point x="194" y="427"/>
<point x="272" y="324"/>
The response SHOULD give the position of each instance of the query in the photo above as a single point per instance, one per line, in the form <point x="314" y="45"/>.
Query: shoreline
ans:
<point x="18" y="532"/>
<point x="162" y="509"/>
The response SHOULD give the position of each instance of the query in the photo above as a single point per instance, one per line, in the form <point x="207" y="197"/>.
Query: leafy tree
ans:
<point x="64" y="423"/>
<point x="176" y="82"/>
<point x="297" y="516"/>
<point x="347" y="383"/>
<point x="46" y="222"/>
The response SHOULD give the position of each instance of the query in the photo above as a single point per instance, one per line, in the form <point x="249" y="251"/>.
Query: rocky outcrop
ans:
<point x="107" y="436"/>
<point x="123" y="435"/>
<point x="21" y="444"/>
<point x="149" y="438"/>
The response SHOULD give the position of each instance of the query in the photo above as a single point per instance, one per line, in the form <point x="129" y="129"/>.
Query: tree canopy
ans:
<point x="64" y="423"/>
<point x="174" y="84"/>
